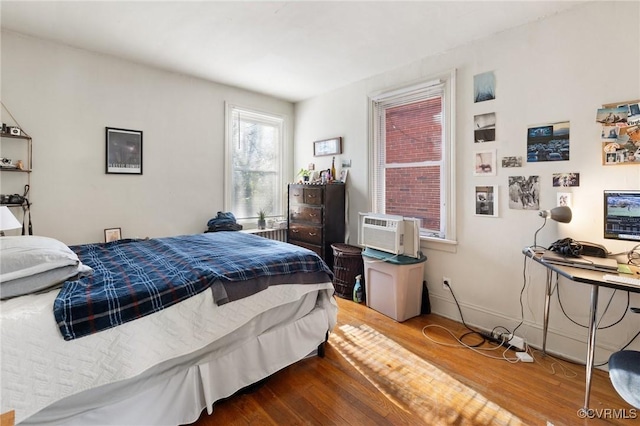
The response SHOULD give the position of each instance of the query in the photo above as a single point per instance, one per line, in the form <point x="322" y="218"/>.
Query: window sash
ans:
<point x="379" y="104"/>
<point x="266" y="180"/>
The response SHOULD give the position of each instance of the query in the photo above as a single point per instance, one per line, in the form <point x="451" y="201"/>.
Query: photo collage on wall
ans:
<point x="620" y="136"/>
<point x="544" y="142"/>
<point x="484" y="131"/>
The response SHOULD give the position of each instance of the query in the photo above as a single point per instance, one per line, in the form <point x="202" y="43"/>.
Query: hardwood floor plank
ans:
<point x="340" y="389"/>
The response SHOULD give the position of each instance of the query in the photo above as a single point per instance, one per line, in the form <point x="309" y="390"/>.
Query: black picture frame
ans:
<point x="123" y="151"/>
<point x="112" y="234"/>
<point x="331" y="146"/>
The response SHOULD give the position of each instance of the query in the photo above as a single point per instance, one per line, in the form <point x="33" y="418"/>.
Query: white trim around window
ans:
<point x="444" y="85"/>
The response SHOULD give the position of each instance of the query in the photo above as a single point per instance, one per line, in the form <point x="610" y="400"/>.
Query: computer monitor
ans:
<point x="622" y="215"/>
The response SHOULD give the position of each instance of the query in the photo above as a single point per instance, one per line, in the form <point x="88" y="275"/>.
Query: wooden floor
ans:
<point x="334" y="390"/>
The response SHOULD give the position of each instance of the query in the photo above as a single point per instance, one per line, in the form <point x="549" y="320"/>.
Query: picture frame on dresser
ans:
<point x="123" y="151"/>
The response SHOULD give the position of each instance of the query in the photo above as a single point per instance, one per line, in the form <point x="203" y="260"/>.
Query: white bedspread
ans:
<point x="38" y="367"/>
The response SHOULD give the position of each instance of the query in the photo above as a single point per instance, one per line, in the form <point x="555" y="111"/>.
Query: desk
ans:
<point x="584" y="276"/>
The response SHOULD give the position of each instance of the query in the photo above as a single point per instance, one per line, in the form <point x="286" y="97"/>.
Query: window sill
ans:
<point x="449" y="246"/>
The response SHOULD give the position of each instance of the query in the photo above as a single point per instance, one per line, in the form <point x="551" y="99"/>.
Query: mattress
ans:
<point x="40" y="369"/>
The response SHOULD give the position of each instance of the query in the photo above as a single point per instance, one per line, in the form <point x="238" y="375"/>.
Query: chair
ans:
<point x="624" y="372"/>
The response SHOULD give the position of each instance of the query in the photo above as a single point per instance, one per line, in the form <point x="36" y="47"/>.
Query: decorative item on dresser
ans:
<point x="317" y="217"/>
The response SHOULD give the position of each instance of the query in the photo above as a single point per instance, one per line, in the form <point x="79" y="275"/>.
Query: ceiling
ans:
<point x="291" y="50"/>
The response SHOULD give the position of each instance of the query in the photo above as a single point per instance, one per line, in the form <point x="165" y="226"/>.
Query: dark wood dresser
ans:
<point x="316" y="217"/>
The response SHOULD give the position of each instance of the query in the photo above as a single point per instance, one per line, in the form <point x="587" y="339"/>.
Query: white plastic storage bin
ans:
<point x="394" y="289"/>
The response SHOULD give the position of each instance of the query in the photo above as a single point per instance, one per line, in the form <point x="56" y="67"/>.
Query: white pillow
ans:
<point x="44" y="281"/>
<point x="25" y="256"/>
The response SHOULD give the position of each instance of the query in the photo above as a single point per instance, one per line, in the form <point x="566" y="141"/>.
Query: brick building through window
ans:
<point x="414" y="161"/>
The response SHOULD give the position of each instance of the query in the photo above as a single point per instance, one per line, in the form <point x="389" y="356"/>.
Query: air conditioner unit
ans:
<point x="382" y="232"/>
<point x="390" y="233"/>
<point x="412" y="237"/>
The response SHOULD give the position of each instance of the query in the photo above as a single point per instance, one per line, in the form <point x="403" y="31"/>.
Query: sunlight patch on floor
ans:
<point x="412" y="383"/>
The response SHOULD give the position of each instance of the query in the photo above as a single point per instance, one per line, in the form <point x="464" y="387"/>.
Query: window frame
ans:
<point x="267" y="117"/>
<point x="414" y="92"/>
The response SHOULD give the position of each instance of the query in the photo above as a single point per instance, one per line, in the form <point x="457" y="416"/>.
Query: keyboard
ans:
<point x="622" y="279"/>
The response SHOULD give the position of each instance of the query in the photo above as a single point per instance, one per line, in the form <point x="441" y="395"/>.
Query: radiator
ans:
<point x="272" y="234"/>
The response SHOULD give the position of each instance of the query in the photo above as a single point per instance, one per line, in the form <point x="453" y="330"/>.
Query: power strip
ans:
<point x="518" y="342"/>
<point x="524" y="357"/>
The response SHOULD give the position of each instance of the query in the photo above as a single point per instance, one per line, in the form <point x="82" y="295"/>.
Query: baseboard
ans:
<point x="567" y="345"/>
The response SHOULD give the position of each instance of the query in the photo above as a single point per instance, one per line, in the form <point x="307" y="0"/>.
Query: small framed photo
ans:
<point x="124" y="151"/>
<point x="484" y="127"/>
<point x="343" y="175"/>
<point x="486" y="201"/>
<point x="513" y="161"/>
<point x="566" y="180"/>
<point x="484" y="163"/>
<point x="484" y="87"/>
<point x="112" y="234"/>
<point x="564" y="199"/>
<point x="327" y="147"/>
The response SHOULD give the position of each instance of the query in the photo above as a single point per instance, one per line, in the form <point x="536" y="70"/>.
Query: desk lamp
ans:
<point x="7" y="220"/>
<point x="560" y="214"/>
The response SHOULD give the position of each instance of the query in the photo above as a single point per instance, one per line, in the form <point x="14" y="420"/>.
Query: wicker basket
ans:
<point x="347" y="264"/>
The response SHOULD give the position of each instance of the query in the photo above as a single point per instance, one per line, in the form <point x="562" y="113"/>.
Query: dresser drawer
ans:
<point x="306" y="214"/>
<point x="315" y="217"/>
<point x="312" y="247"/>
<point x="313" y="196"/>
<point x="306" y="194"/>
<point x="296" y="194"/>
<point x="310" y="234"/>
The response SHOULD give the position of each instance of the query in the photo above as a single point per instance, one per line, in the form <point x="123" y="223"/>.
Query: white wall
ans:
<point x="65" y="97"/>
<point x="560" y="69"/>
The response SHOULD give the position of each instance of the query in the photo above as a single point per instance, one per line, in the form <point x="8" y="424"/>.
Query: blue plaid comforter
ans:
<point x="134" y="278"/>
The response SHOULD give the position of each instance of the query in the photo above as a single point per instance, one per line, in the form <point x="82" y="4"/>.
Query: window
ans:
<point x="254" y="147"/>
<point x="413" y="155"/>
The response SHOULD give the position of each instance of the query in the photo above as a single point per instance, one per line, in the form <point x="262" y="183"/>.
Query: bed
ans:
<point x="231" y="309"/>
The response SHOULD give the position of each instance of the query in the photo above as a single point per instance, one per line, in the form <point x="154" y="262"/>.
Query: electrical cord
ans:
<point x="603" y="314"/>
<point x="486" y="337"/>
<point x="624" y="314"/>
<point x="474" y="348"/>
<point x="633" y="256"/>
<point x="524" y="286"/>
<point x="557" y="361"/>
<point x="630" y="341"/>
<point x="471" y="330"/>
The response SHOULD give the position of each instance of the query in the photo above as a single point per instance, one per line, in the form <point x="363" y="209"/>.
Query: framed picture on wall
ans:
<point x="486" y="201"/>
<point x="485" y="163"/>
<point x="327" y="147"/>
<point x="124" y="151"/>
<point x="484" y="127"/>
<point x="484" y="87"/>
